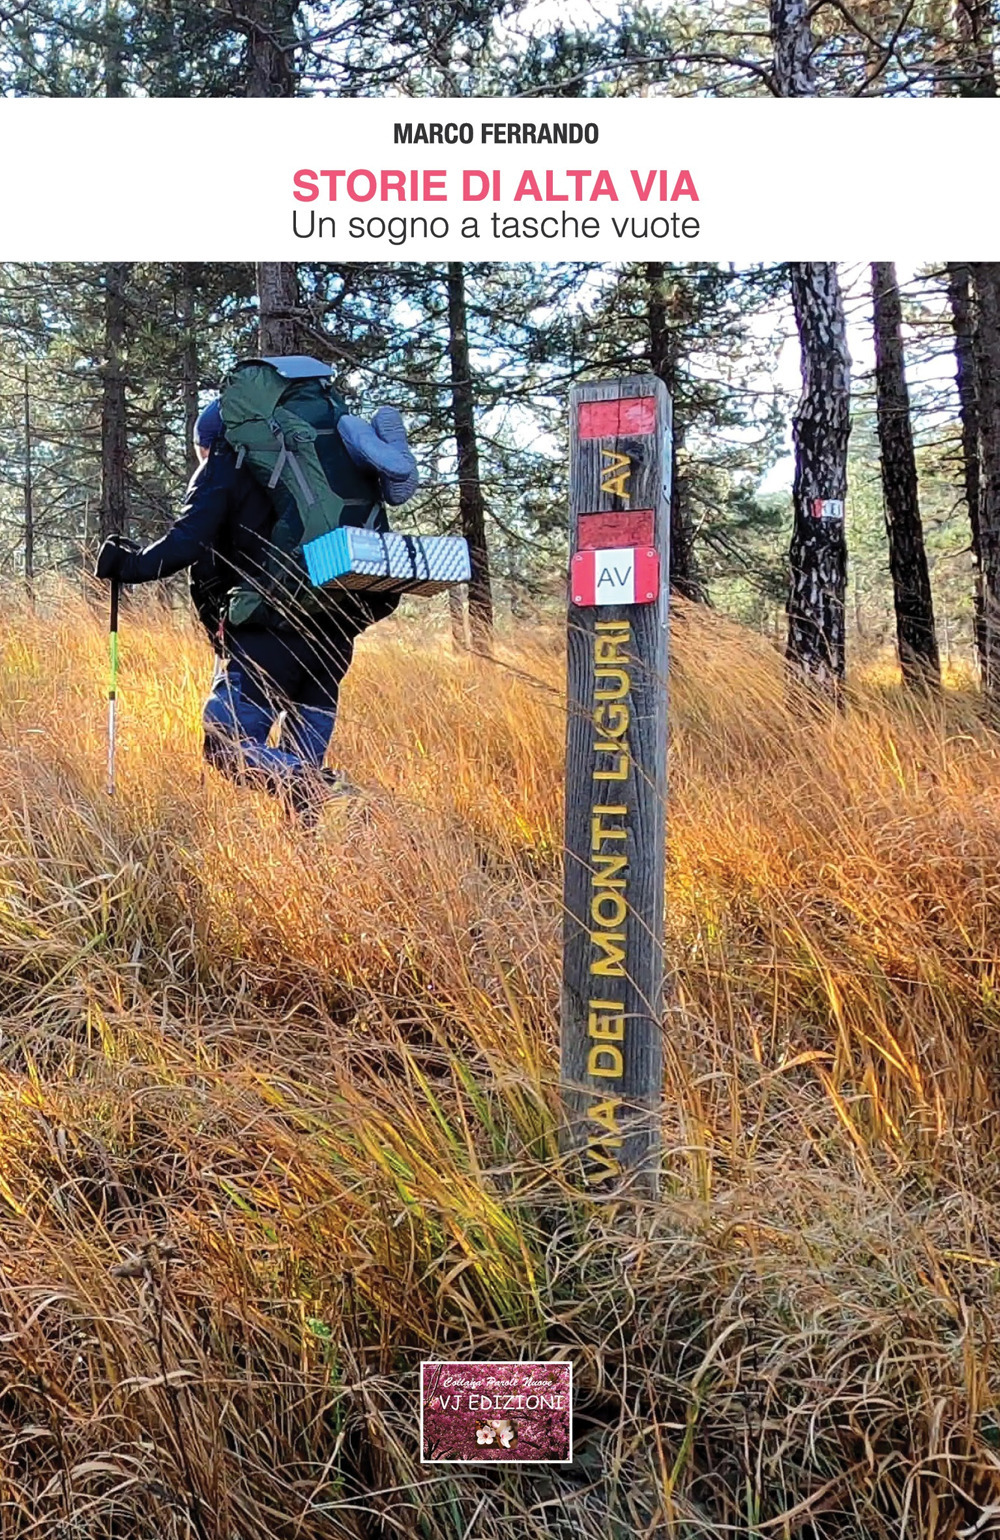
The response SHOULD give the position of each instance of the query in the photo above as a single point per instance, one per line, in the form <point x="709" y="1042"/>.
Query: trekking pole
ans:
<point x="113" y="685"/>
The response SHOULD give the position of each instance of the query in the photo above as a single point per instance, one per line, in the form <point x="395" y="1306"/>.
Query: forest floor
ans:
<point x="277" y="1114"/>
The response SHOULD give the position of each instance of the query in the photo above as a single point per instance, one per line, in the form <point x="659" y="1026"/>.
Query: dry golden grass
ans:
<point x="277" y="1115"/>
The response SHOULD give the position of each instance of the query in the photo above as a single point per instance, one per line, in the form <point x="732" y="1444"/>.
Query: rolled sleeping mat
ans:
<point x="351" y="557"/>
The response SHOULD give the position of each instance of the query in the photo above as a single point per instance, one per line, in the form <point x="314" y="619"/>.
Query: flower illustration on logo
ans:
<point x="498" y="1430"/>
<point x="506" y="1431"/>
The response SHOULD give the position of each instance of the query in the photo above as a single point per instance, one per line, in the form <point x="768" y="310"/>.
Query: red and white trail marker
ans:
<point x="621" y="575"/>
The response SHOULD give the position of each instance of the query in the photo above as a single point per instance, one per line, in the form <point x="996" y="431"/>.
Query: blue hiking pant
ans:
<point x="268" y="674"/>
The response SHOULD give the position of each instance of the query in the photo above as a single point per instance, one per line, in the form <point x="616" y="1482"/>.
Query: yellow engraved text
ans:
<point x="608" y="899"/>
<point x="614" y="476"/>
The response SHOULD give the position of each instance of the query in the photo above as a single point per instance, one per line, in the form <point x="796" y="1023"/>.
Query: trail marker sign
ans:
<point x="611" y="1064"/>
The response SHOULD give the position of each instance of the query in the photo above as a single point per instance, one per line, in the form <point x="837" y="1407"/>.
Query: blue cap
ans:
<point x="209" y="424"/>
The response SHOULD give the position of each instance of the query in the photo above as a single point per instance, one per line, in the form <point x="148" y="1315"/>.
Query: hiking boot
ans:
<point x="335" y="784"/>
<point x="311" y="790"/>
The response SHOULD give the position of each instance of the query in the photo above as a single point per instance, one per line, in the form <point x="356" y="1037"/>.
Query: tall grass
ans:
<point x="278" y="1113"/>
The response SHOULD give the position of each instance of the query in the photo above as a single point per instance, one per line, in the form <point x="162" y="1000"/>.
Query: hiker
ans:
<point x="275" y="655"/>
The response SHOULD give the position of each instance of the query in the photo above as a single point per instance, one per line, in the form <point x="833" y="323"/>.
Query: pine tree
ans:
<point x="278" y="300"/>
<point x="663" y="348"/>
<point x="960" y="301"/>
<point x="114" y="515"/>
<point x="470" y="490"/>
<point x="821" y="427"/>
<point x="29" y="508"/>
<point x="985" y="278"/>
<point x="916" y="636"/>
<point x="702" y="334"/>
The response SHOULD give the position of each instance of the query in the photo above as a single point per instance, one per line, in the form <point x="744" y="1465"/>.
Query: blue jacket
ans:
<point x="222" y="535"/>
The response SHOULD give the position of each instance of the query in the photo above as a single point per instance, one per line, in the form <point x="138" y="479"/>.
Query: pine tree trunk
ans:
<point x="821" y="427"/>
<point x="792" y="43"/>
<point x="29" y="508"/>
<point x="114" y="511"/>
<point x="684" y="577"/>
<point x="471" y="503"/>
<point x="271" y="47"/>
<point x="911" y="584"/>
<point x="271" y="72"/>
<point x="960" y="299"/>
<point x="974" y="25"/>
<point x="114" y="50"/>
<point x="456" y="615"/>
<point x="822" y="422"/>
<point x="985" y="282"/>
<point x="278" y="296"/>
<point x="189" y="365"/>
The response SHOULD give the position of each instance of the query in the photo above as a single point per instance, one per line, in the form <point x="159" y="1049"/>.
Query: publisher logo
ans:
<point x="482" y="1412"/>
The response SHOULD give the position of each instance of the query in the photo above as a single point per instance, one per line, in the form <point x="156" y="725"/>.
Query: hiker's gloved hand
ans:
<point x="113" y="556"/>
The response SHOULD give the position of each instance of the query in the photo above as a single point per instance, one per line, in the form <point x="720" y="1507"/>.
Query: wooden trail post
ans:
<point x="611" y="1065"/>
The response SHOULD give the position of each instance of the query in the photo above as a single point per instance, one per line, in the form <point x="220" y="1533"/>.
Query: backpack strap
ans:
<point x="288" y="457"/>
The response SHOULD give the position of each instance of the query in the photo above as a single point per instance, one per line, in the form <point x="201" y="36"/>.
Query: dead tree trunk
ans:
<point x="114" y="511"/>
<point x="911" y="584"/>
<point x="471" y="503"/>
<point x="960" y="299"/>
<point x="985" y="280"/>
<point x="821" y="427"/>
<point x="684" y="578"/>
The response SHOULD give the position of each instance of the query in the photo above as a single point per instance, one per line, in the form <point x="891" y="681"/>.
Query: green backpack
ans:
<point x="281" y="417"/>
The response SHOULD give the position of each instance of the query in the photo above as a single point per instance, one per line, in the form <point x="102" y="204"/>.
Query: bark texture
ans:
<point x="271" y="72"/>
<point x="29" y="509"/>
<point x="271" y="47"/>
<point x="974" y="25"/>
<point x="960" y="299"/>
<point x="113" y="517"/>
<point x="684" y="577"/>
<point x="456" y="617"/>
<point x="822" y="422"/>
<point x="471" y="503"/>
<point x="985" y="291"/>
<point x="911" y="584"/>
<point x="821" y="427"/>
<point x="792" y="43"/>
<point x="278" y="297"/>
<point x="115" y="50"/>
<point x="189" y="365"/>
